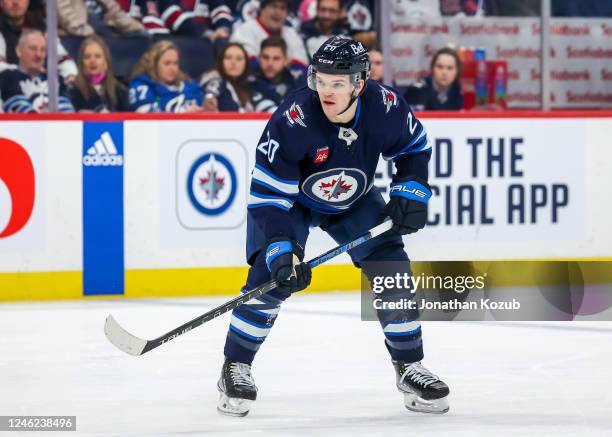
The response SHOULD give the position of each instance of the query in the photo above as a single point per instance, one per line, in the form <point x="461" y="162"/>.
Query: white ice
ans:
<point x="322" y="371"/>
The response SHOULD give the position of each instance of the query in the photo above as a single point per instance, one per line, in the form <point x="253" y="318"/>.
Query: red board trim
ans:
<point x="119" y="116"/>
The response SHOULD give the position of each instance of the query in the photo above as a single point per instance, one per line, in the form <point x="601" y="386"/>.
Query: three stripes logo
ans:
<point x="103" y="153"/>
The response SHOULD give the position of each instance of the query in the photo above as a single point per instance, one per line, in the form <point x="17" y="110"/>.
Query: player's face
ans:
<point x="272" y="61"/>
<point x="273" y="16"/>
<point x="94" y="61"/>
<point x="168" y="67"/>
<point x="32" y="53"/>
<point x="334" y="91"/>
<point x="376" y="61"/>
<point x="14" y="8"/>
<point x="444" y="70"/>
<point x="234" y="62"/>
<point x="328" y="13"/>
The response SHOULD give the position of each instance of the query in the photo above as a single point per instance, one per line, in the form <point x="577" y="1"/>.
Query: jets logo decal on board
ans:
<point x="211" y="184"/>
<point x="338" y="187"/>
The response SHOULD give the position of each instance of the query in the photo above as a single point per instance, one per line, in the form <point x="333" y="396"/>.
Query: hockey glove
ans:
<point x="284" y="260"/>
<point x="407" y="205"/>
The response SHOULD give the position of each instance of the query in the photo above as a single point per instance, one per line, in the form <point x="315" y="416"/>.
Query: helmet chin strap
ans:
<point x="350" y="103"/>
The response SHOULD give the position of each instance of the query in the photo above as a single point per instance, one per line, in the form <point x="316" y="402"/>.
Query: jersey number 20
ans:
<point x="269" y="148"/>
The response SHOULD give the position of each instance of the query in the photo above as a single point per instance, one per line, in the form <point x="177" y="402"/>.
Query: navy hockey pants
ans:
<point x="251" y="322"/>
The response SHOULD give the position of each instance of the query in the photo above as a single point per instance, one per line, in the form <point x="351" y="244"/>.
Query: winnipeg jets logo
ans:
<point x="295" y="115"/>
<point x="335" y="188"/>
<point x="389" y="99"/>
<point x="212" y="184"/>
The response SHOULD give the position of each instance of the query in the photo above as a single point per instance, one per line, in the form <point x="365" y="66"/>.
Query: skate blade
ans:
<point x="419" y="405"/>
<point x="233" y="406"/>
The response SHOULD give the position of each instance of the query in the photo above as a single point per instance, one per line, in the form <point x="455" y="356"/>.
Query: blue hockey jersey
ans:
<point x="147" y="95"/>
<point x="303" y="157"/>
<point x="21" y="92"/>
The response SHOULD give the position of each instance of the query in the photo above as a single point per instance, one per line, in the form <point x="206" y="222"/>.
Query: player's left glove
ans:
<point x="407" y="205"/>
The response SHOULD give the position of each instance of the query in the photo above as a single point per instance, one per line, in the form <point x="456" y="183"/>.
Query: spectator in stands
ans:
<point x="441" y="90"/>
<point x="25" y="88"/>
<point x="272" y="80"/>
<point x="96" y="89"/>
<point x="103" y="17"/>
<point x="16" y="15"/>
<point x="326" y="24"/>
<point x="227" y="87"/>
<point x="158" y="84"/>
<point x="271" y="21"/>
<point x="376" y="65"/>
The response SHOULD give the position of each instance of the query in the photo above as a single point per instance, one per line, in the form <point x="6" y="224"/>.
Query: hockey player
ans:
<point x="315" y="166"/>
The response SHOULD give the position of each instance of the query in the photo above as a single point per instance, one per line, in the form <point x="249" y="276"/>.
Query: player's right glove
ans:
<point x="407" y="205"/>
<point x="284" y="260"/>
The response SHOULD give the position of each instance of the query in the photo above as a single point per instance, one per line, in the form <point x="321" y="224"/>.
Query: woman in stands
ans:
<point x="95" y="88"/>
<point x="441" y="91"/>
<point x="227" y="86"/>
<point x="159" y="85"/>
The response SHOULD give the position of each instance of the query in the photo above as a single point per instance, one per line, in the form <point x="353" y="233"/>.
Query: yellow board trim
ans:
<point x="41" y="286"/>
<point x="219" y="281"/>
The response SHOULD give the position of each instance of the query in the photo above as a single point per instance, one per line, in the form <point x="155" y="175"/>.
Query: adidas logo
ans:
<point x="103" y="153"/>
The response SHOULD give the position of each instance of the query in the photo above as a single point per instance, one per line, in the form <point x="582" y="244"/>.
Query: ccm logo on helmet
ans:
<point x="405" y="189"/>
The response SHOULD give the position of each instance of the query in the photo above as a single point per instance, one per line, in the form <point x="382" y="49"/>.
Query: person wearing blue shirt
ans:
<point x="158" y="84"/>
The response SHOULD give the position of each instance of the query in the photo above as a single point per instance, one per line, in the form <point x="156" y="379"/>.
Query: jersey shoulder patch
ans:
<point x="388" y="97"/>
<point x="296" y="107"/>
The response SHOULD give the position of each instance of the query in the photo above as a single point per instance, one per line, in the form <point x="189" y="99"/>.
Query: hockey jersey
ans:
<point x="21" y="92"/>
<point x="183" y="17"/>
<point x="303" y="157"/>
<point x="267" y="94"/>
<point x="224" y="92"/>
<point x="147" y="95"/>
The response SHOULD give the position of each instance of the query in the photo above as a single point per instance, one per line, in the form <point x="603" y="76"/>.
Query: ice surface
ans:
<point x="321" y="372"/>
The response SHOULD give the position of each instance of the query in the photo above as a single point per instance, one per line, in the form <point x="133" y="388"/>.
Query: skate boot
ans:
<point x="237" y="389"/>
<point x="423" y="391"/>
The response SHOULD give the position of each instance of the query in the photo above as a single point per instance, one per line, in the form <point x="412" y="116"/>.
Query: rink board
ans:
<point x="118" y="206"/>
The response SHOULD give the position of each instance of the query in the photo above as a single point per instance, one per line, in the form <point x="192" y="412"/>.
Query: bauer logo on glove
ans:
<point x="407" y="205"/>
<point x="411" y="190"/>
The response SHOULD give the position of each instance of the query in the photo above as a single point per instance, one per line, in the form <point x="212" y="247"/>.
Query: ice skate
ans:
<point x="423" y="391"/>
<point x="237" y="389"/>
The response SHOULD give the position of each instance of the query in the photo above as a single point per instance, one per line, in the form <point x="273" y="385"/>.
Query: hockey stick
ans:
<point x="136" y="346"/>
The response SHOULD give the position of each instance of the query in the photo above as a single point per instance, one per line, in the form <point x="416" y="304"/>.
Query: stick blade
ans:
<point x="123" y="340"/>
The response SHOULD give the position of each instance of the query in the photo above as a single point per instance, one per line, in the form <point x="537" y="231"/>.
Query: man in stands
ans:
<point x="271" y="22"/>
<point x="324" y="25"/>
<point x="25" y="88"/>
<point x="272" y="80"/>
<point x="16" y="15"/>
